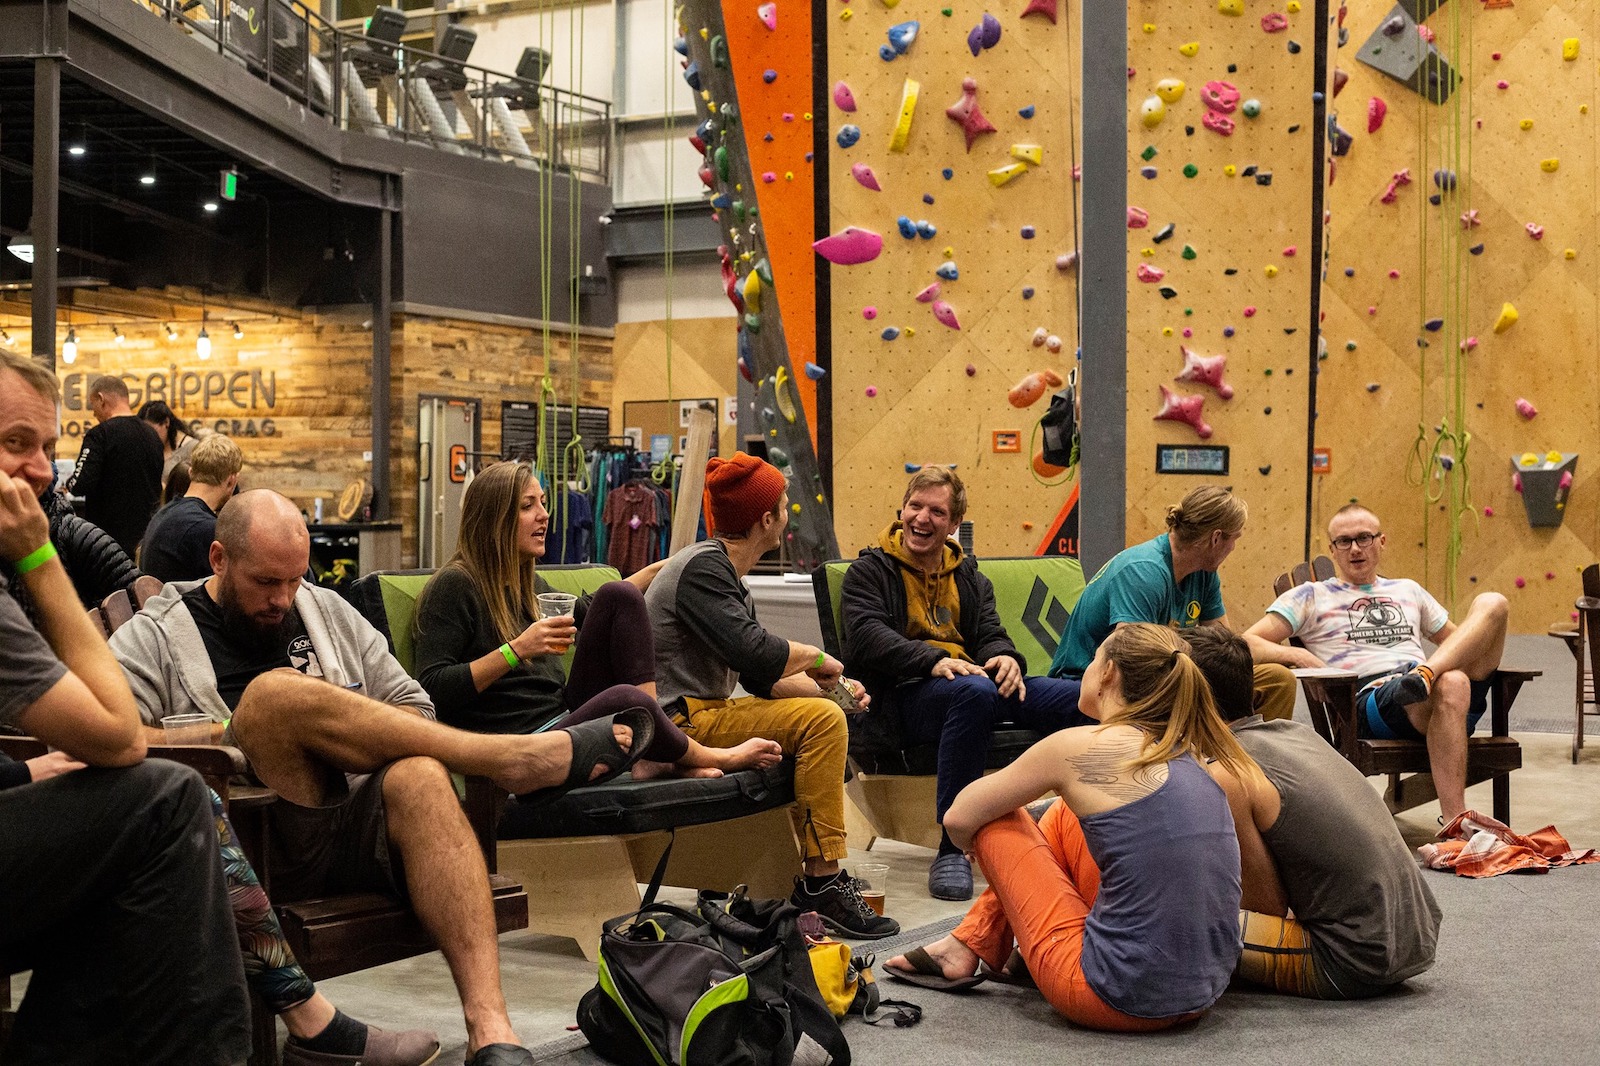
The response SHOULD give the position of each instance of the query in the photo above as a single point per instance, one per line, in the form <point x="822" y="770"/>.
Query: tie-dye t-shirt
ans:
<point x="1367" y="629"/>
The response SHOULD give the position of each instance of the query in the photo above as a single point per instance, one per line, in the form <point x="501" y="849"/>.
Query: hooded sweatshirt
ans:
<point x="933" y="603"/>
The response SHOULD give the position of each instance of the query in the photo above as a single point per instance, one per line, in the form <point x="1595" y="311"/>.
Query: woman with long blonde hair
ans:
<point x="1123" y="900"/>
<point x="492" y="665"/>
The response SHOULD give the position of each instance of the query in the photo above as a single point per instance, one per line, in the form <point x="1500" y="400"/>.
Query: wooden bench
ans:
<point x="583" y="857"/>
<point x="1331" y="697"/>
<point x="894" y="789"/>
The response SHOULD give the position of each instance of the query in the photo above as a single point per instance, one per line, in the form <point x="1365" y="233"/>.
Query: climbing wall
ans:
<point x="728" y="138"/>
<point x="1389" y="280"/>
<point x="946" y="231"/>
<point x="1221" y="171"/>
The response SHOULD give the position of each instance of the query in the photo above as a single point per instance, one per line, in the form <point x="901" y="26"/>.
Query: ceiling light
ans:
<point x="77" y="146"/>
<point x="69" y="348"/>
<point x="148" y="178"/>
<point x="202" y="344"/>
<point x="116" y="334"/>
<point x="172" y="334"/>
<point x="210" y="205"/>
<point x="21" y="245"/>
<point x="238" y="334"/>
<point x="7" y="339"/>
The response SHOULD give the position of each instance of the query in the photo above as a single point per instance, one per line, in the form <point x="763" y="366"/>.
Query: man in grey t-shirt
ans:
<point x="1316" y="841"/>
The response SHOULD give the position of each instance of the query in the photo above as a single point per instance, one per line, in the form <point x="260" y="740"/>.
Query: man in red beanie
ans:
<point x="708" y="640"/>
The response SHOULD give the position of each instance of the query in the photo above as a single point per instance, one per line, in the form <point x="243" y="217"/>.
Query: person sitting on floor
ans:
<point x="491" y="668"/>
<point x="708" y="640"/>
<point x="1334" y="905"/>
<point x="922" y="632"/>
<point x="1123" y="900"/>
<point x="1171" y="580"/>
<point x="177" y="544"/>
<point x="111" y="887"/>
<point x="306" y="688"/>
<point x="1372" y="626"/>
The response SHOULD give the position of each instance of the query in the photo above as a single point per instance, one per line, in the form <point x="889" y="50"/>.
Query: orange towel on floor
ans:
<point x="1474" y="845"/>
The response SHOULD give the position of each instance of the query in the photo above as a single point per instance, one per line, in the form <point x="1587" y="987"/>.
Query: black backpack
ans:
<point x="727" y="984"/>
<point x="1058" y="426"/>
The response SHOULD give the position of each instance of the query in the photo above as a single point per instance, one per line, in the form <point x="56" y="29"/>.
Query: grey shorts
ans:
<point x="334" y="850"/>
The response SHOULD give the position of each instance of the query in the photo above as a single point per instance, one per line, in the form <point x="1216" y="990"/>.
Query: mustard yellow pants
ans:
<point x="812" y="731"/>
<point x="1274" y="691"/>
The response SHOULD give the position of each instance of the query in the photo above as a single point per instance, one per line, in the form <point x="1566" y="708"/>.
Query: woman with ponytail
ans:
<point x="1123" y="899"/>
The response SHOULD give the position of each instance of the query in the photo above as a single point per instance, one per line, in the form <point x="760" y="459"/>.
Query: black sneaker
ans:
<point x="841" y="908"/>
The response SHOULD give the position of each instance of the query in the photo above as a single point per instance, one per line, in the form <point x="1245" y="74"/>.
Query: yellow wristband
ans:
<point x="36" y="558"/>
<point x="511" y="658"/>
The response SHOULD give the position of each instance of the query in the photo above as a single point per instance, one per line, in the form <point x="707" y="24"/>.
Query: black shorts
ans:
<point x="1386" y="719"/>
<point x="335" y="850"/>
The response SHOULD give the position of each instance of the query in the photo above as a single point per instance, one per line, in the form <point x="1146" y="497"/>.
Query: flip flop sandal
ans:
<point x="594" y="745"/>
<point x="925" y="973"/>
<point x="1014" y="973"/>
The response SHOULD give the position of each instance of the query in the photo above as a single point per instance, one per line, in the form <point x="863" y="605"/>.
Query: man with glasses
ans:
<point x="1373" y="626"/>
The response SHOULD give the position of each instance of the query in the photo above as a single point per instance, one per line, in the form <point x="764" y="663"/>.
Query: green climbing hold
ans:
<point x="724" y="164"/>
<point x="763" y="268"/>
<point x="778" y="457"/>
<point x="738" y="205"/>
<point x="1188" y="312"/>
<point x="753" y="324"/>
<point x="1149" y="153"/>
<point x="1189" y="252"/>
<point x="1251" y="108"/>
<point x="1268" y="371"/>
<point x="719" y="52"/>
<point x="945" y="11"/>
<point x="1349" y="346"/>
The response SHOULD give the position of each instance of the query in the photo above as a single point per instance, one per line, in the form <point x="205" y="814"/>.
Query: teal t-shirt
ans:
<point x="1135" y="586"/>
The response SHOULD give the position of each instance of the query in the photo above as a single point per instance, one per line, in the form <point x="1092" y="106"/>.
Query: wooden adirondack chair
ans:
<point x="1584" y="637"/>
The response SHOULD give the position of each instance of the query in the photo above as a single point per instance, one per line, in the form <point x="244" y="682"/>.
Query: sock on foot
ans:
<point x="945" y="846"/>
<point x="1416" y="684"/>
<point x="342" y="1036"/>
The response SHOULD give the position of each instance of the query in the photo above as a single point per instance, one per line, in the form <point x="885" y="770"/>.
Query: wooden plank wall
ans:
<point x="925" y="407"/>
<point x="1550" y="357"/>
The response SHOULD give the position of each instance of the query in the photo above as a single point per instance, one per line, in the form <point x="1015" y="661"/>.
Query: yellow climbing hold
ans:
<point x="910" y="331"/>
<point x="908" y="111"/>
<point x="1190" y="49"/>
<point x="1571" y="253"/>
<point x="1147" y="252"/>
<point x="788" y="175"/>
<point x="1152" y="111"/>
<point x="1166" y="331"/>
<point x="1149" y="27"/>
<point x="846" y="15"/>
<point x="949" y="251"/>
<point x="1294" y="7"/>
<point x="1170" y="89"/>
<point x="1028" y="153"/>
<point x="1569" y="49"/>
<point x="891" y="3"/>
<point x="780" y="392"/>
<point x="1552" y="456"/>
<point x="1230" y="170"/>
<point x="1230" y="7"/>
<point x="1271" y="271"/>
<point x="1507" y="319"/>
<point x="1528" y="459"/>
<point x="1526" y="123"/>
<point x="1550" y="166"/>
<point x="820" y="499"/>
<point x="1000" y="175"/>
<point x="752" y="292"/>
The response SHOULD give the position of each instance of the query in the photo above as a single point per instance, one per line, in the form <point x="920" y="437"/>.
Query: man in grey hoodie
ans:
<point x="307" y="689"/>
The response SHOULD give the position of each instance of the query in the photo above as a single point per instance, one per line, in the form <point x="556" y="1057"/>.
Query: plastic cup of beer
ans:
<point x="876" y="877"/>
<point x="557" y="605"/>
<point x="188" y="729"/>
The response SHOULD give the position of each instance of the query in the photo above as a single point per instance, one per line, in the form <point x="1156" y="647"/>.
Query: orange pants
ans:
<point x="1042" y="883"/>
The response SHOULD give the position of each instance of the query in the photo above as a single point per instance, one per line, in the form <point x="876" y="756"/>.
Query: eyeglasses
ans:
<point x="1360" y="540"/>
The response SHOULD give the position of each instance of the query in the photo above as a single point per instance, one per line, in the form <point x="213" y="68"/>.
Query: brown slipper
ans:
<point x="925" y="972"/>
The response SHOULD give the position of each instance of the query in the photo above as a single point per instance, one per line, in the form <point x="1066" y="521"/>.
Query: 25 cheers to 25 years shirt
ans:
<point x="1366" y="629"/>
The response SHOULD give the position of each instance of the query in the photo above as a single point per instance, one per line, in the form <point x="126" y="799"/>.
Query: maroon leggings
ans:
<point x="615" y="653"/>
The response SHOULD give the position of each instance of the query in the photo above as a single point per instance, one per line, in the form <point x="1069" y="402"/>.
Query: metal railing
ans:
<point x="400" y="92"/>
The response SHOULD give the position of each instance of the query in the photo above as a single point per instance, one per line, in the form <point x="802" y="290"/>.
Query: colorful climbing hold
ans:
<point x="872" y="390"/>
<point x="768" y="14"/>
<point x="1535" y="231"/>
<point x="1067" y="260"/>
<point x="1550" y="166"/>
<point x="1189" y="49"/>
<point x="1569" y="49"/>
<point x="1186" y="409"/>
<point x="1152" y="112"/>
<point x="1507" y="318"/>
<point x="1149" y="274"/>
<point x="1250" y="108"/>
<point x="1274" y="22"/>
<point x="908" y="110"/>
<point x="948" y="271"/>
<point x="1138" y="217"/>
<point x="1026" y="112"/>
<point x="849" y="246"/>
<point x="1377" y="109"/>
<point x="1217" y="122"/>
<point x="1027" y="233"/>
<point x="843" y="97"/>
<point x="966" y="113"/>
<point x="849" y="134"/>
<point x="1205" y="370"/>
<point x="865" y="177"/>
<point x="903" y="35"/>
<point x="945" y="314"/>
<point x="1001" y="175"/>
<point x="1190" y="170"/>
<point x="1028" y="153"/>
<point x="929" y="294"/>
<point x="1233" y="8"/>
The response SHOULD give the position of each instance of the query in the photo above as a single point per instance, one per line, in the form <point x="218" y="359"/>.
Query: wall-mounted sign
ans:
<point x="214" y="392"/>
<point x="1008" y="440"/>
<point x="1191" y="459"/>
<point x="1322" y="460"/>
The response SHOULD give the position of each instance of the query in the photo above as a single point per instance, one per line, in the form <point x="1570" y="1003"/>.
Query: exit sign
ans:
<point x="230" y="184"/>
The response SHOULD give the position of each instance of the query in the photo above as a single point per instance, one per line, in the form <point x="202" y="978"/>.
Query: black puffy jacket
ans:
<point x="93" y="559"/>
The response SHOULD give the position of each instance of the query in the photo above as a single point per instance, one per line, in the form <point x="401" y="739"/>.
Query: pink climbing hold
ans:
<point x="1425" y="32"/>
<point x="1220" y="96"/>
<point x="1047" y="8"/>
<point x="1217" y="122"/>
<point x="1469" y="344"/>
<point x="1522" y="582"/>
<point x="1186" y="409"/>
<point x="1502" y="84"/>
<point x="945" y="314"/>
<point x="768" y="14"/>
<point x="871" y="391"/>
<point x="1149" y="274"/>
<point x="849" y="246"/>
<point x="1274" y="22"/>
<point x="929" y="294"/>
<point x="1250" y="312"/>
<point x="1516" y="482"/>
<point x="1394" y="274"/>
<point x="1488" y="512"/>
<point x="972" y="371"/>
<point x="1138" y="218"/>
<point x="869" y="312"/>
<point x="769" y="176"/>
<point x="966" y="113"/>
<point x="1535" y="231"/>
<point x="1526" y="409"/>
<point x="1290" y="252"/>
<point x="1376" y="110"/>
<point x="1205" y="370"/>
<point x="843" y="98"/>
<point x="1469" y="218"/>
<point x="865" y="177"/>
<point x="1566" y="481"/>
<point x="1401" y="177"/>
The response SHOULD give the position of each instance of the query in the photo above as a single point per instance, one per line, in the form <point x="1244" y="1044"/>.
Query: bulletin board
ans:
<point x="667" y="416"/>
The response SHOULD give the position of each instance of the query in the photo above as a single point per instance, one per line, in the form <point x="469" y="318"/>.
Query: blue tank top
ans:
<point x="1163" y="935"/>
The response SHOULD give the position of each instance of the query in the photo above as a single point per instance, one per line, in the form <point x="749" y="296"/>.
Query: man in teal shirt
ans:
<point x="1170" y="580"/>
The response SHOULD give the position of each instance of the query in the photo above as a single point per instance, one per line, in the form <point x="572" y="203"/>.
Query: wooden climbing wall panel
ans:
<point x="912" y="399"/>
<point x="1551" y="356"/>
<point x="1242" y="294"/>
<point x="702" y="365"/>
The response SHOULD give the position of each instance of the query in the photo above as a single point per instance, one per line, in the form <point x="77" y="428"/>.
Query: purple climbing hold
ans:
<point x="769" y="75"/>
<point x="1027" y="233"/>
<point x="815" y="372"/>
<point x="767" y="137"/>
<point x="1228" y="331"/>
<point x="927" y="198"/>
<point x="1476" y="249"/>
<point x="1395" y="26"/>
<point x="850" y="246"/>
<point x="991" y="30"/>
<point x="1026" y="112"/>
<point x="975" y="40"/>
<point x="1027" y="292"/>
<point x="843" y="98"/>
<point x="1349" y="272"/>
<point x="1445" y="179"/>
<point x="865" y="177"/>
<point x="1433" y="325"/>
<point x="1147" y="172"/>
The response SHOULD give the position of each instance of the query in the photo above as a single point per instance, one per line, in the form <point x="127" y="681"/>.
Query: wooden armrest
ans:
<point x="211" y="760"/>
<point x="1324" y="673"/>
<point x="1587" y="603"/>
<point x="22" y="748"/>
<point x="1515" y="674"/>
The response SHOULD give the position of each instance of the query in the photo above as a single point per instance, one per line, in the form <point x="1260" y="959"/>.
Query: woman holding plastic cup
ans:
<point x="491" y="634"/>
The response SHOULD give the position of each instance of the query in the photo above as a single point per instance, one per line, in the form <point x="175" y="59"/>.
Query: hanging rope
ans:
<point x="662" y="472"/>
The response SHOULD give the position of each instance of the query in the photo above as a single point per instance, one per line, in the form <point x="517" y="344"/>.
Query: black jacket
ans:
<point x="93" y="560"/>
<point x="873" y="608"/>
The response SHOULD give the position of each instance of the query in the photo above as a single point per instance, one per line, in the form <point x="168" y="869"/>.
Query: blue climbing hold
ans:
<point x="886" y="53"/>
<point x="890" y="332"/>
<point x="815" y="372"/>
<point x="912" y="468"/>
<point x="948" y="173"/>
<point x="1316" y="98"/>
<point x="691" y="74"/>
<point x="927" y="198"/>
<point x="848" y="135"/>
<point x="769" y="76"/>
<point x="767" y="137"/>
<point x="721" y="201"/>
<point x="1349" y="272"/>
<point x="1147" y="172"/>
<point x="908" y="228"/>
<point x="947" y="270"/>
<point x="902" y="35"/>
<point x="926" y="230"/>
<point x="1026" y="112"/>
<point x="681" y="46"/>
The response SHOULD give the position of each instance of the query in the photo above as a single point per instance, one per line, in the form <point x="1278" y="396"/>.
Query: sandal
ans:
<point x="925" y="972"/>
<point x="1015" y="972"/>
<point x="594" y="745"/>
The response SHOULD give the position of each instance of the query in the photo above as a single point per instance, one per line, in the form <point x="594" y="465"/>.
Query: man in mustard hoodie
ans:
<point x="922" y="633"/>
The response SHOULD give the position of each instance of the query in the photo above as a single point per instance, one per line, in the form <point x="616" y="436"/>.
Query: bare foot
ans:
<point x="544" y="759"/>
<point x="955" y="959"/>
<point x="646" y="769"/>
<point x="752" y="754"/>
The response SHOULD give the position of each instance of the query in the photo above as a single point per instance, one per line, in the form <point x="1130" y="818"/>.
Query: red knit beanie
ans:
<point x="740" y="490"/>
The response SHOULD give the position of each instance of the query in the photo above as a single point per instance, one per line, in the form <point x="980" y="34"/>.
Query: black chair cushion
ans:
<point x="628" y="806"/>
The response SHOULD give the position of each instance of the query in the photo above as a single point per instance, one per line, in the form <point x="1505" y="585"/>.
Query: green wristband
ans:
<point x="36" y="558"/>
<point x="822" y="657"/>
<point x="510" y="656"/>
